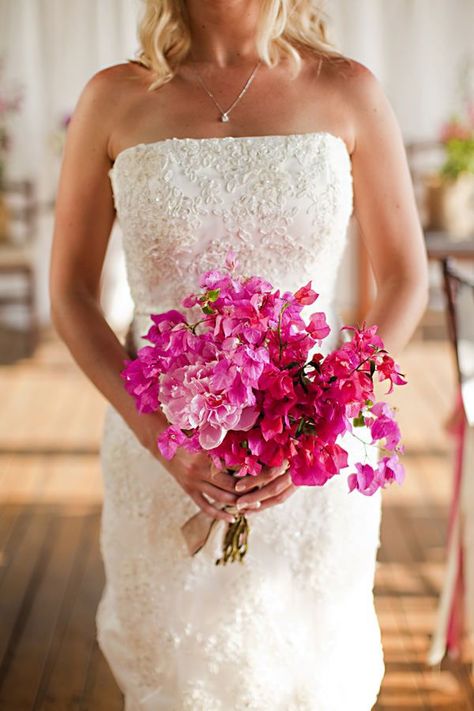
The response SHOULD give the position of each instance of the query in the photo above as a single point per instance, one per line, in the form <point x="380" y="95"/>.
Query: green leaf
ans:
<point x="208" y="309"/>
<point x="213" y="294"/>
<point x="299" y="429"/>
<point x="359" y="420"/>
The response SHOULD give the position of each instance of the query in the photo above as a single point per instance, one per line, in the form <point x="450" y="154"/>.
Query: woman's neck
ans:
<point x="223" y="31"/>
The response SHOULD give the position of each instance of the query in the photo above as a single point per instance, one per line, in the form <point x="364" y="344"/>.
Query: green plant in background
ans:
<point x="459" y="158"/>
<point x="457" y="134"/>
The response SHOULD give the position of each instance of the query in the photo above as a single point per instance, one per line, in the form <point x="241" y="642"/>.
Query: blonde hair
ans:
<point x="285" y="28"/>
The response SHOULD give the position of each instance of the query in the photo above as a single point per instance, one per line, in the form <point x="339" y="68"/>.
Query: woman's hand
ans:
<point x="273" y="486"/>
<point x="194" y="472"/>
<point x="201" y="480"/>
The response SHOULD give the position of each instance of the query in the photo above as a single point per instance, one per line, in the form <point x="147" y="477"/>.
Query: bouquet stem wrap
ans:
<point x="197" y="531"/>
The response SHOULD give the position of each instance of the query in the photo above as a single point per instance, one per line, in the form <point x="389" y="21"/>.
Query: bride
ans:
<point x="239" y="127"/>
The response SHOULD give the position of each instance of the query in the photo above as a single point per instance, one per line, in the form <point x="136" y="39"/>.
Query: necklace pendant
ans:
<point x="224" y="118"/>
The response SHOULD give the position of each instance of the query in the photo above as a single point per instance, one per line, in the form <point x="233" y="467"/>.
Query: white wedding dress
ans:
<point x="292" y="628"/>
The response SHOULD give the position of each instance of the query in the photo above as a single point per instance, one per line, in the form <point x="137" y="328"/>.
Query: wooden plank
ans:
<point x="69" y="662"/>
<point x="399" y="688"/>
<point x="435" y="687"/>
<point x="8" y="517"/>
<point x="423" y="537"/>
<point x="20" y="577"/>
<point x="100" y="691"/>
<point x="30" y="644"/>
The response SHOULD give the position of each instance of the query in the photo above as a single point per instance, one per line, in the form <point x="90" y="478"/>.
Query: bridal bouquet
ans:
<point x="239" y="382"/>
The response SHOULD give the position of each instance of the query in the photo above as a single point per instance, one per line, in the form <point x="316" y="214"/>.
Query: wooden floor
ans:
<point x="51" y="573"/>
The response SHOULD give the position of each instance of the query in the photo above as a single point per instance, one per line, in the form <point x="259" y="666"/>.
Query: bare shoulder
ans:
<point x="109" y="85"/>
<point x="354" y="82"/>
<point x="361" y="99"/>
<point x="103" y="100"/>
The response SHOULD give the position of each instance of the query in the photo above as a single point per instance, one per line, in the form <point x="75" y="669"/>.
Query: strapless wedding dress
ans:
<point x="292" y="628"/>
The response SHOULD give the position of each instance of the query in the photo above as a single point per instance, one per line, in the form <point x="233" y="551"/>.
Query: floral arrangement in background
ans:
<point x="450" y="190"/>
<point x="10" y="103"/>
<point x="457" y="136"/>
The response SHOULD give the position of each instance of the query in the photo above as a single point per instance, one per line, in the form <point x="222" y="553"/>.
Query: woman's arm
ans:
<point x="386" y="212"/>
<point x="84" y="217"/>
<point x="83" y="222"/>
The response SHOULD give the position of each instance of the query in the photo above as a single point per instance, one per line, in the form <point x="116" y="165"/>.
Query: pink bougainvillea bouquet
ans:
<point x="245" y="382"/>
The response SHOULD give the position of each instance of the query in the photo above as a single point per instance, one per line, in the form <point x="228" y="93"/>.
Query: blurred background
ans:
<point x="51" y="417"/>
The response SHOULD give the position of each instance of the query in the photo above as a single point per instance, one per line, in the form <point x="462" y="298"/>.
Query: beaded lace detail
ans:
<point x="282" y="203"/>
<point x="294" y="627"/>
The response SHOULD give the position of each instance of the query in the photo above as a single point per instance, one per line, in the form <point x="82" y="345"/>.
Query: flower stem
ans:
<point x="235" y="541"/>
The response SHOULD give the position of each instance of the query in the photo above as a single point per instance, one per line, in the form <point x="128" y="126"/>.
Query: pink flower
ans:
<point x="306" y="295"/>
<point x="314" y="464"/>
<point x="389" y="370"/>
<point x="169" y="441"/>
<point x="390" y="470"/>
<point x="141" y="380"/>
<point x="367" y="480"/>
<point x="189" y="401"/>
<point x="189" y="301"/>
<point x="252" y="363"/>
<point x="270" y="427"/>
<point x="384" y="425"/>
<point x="318" y="327"/>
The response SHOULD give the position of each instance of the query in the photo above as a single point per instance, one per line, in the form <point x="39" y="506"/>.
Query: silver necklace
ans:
<point x="224" y="113"/>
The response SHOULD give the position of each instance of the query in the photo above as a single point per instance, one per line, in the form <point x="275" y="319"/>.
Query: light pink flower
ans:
<point x="189" y="401"/>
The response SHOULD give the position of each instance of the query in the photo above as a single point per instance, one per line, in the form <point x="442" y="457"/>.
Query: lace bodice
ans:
<point x="282" y="203"/>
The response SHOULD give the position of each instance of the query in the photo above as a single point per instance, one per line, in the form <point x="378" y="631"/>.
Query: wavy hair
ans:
<point x="285" y="29"/>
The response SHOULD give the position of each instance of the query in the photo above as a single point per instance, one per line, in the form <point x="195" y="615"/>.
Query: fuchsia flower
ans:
<point x="388" y="370"/>
<point x="170" y="440"/>
<point x="318" y="328"/>
<point x="305" y="295"/>
<point x="240" y="384"/>
<point x="384" y="425"/>
<point x="367" y="480"/>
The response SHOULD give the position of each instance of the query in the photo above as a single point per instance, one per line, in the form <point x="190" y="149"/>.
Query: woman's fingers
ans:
<point x="273" y="488"/>
<point x="249" y="482"/>
<point x="224" y="497"/>
<point x="209" y="509"/>
<point x="275" y="500"/>
<point x="219" y="478"/>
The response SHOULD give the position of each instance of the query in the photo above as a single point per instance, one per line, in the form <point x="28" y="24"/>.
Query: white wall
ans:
<point x="52" y="47"/>
<point x="415" y="47"/>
